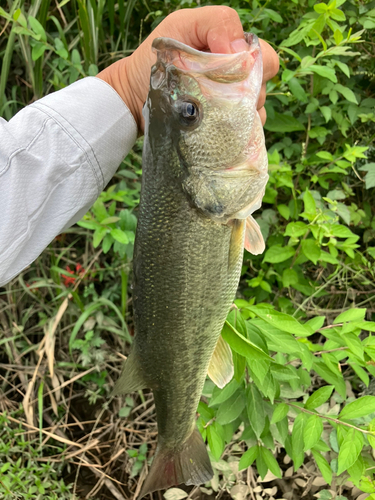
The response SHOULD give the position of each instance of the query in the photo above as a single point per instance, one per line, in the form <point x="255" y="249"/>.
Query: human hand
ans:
<point x="214" y="28"/>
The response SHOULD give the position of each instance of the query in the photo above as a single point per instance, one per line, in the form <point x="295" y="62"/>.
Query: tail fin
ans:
<point x="189" y="465"/>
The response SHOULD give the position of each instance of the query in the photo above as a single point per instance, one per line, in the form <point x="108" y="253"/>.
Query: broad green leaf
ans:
<point x="215" y="440"/>
<point x="270" y="461"/>
<point x="119" y="236"/>
<point x="326" y="112"/>
<point x="338" y="37"/>
<point x="277" y="254"/>
<point x="323" y="466"/>
<point x="354" y="314"/>
<point x="283" y="321"/>
<point x="350" y="449"/>
<point x="241" y="344"/>
<point x="98" y="236"/>
<point x="283" y="123"/>
<point x="297" y="440"/>
<point x="356" y="470"/>
<point x="248" y="457"/>
<point x="279" y="413"/>
<point x="311" y="250"/>
<point x="290" y="277"/>
<point x="354" y="344"/>
<point x="319" y="397"/>
<point x="346" y="92"/>
<point x="221" y="395"/>
<point x="37" y="28"/>
<point x="324" y="71"/>
<point x="309" y="203"/>
<point x="312" y="432"/>
<point x="110" y="220"/>
<point x="329" y="376"/>
<point x="359" y="408"/>
<point x="296" y="229"/>
<point x="231" y="409"/>
<point x="255" y="410"/>
<point x="38" y="51"/>
<point x="316" y="323"/>
<point x="297" y="89"/>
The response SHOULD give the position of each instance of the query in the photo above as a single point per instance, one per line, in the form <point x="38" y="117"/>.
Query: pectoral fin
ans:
<point x="254" y="242"/>
<point x="221" y="368"/>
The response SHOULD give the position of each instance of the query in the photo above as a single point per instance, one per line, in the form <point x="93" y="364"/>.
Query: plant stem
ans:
<point x="331" y="419"/>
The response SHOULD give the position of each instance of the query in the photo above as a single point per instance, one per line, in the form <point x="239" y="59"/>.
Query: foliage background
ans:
<point x="298" y="417"/>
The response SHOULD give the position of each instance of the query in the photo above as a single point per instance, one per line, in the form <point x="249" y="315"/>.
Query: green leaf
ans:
<point x="119" y="236"/>
<point x="273" y="15"/>
<point x="38" y="51"/>
<point x="98" y="236"/>
<point x="350" y="449"/>
<point x="338" y="36"/>
<point x="311" y="250"/>
<point x="346" y="92"/>
<point x="297" y="90"/>
<point x="109" y="220"/>
<point x="248" y="458"/>
<point x="337" y="14"/>
<point x="297" y="440"/>
<point x="354" y="314"/>
<point x="221" y="395"/>
<point x="323" y="466"/>
<point x="279" y="413"/>
<point x="370" y="176"/>
<point x="277" y="254"/>
<point x="283" y="321"/>
<point x="296" y="229"/>
<point x="320" y="8"/>
<point x="215" y="440"/>
<point x="312" y="432"/>
<point x="37" y="28"/>
<point x="324" y="72"/>
<point x="255" y="409"/>
<point x="327" y="113"/>
<point x="359" y="408"/>
<point x="319" y="397"/>
<point x="283" y="123"/>
<point x="309" y="203"/>
<point x="231" y="409"/>
<point x="241" y="344"/>
<point x="284" y="211"/>
<point x="290" y="277"/>
<point x="270" y="461"/>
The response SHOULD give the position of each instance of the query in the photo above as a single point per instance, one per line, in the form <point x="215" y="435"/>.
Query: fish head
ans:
<point x="208" y="101"/>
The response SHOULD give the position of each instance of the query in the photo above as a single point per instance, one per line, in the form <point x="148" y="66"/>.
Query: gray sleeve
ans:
<point x="56" y="156"/>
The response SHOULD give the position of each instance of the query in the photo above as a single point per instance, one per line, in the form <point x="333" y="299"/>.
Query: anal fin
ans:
<point x="221" y="368"/>
<point x="254" y="242"/>
<point x="131" y="378"/>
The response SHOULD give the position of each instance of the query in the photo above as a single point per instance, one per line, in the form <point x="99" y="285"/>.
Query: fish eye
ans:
<point x="189" y="113"/>
<point x="189" y="110"/>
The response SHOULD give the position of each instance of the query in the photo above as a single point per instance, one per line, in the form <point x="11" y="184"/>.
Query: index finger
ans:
<point x="270" y="61"/>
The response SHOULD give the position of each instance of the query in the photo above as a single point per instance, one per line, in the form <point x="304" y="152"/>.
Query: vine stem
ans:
<point x="336" y="420"/>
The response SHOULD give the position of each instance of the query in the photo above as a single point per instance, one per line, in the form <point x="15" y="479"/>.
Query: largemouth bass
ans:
<point x="204" y="174"/>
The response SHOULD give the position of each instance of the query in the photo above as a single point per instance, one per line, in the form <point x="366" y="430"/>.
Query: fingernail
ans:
<point x="239" y="45"/>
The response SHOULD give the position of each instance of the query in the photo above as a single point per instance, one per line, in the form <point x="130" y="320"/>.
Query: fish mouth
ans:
<point x="223" y="68"/>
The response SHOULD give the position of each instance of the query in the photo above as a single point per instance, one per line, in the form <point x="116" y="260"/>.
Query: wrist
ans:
<point x="119" y="77"/>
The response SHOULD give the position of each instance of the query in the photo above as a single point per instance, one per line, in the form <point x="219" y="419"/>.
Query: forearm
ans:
<point x="56" y="156"/>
